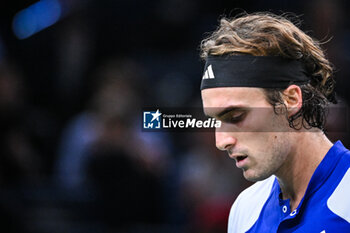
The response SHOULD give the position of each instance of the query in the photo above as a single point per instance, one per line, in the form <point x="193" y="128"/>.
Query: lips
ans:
<point x="237" y="156"/>
<point x="240" y="159"/>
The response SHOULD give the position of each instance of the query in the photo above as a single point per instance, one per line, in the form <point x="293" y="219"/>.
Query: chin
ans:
<point x="255" y="177"/>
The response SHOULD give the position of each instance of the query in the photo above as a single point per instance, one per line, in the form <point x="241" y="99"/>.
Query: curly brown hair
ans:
<point x="267" y="34"/>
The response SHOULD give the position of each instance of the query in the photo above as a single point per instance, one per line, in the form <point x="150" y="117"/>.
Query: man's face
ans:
<point x="250" y="132"/>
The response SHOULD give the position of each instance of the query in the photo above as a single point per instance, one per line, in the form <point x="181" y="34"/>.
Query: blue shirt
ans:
<point x="325" y="207"/>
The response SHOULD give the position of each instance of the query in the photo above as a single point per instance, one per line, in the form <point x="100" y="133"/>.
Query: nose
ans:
<point x="224" y="140"/>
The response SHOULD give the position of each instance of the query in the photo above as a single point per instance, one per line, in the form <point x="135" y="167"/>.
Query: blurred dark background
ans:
<point x="74" y="76"/>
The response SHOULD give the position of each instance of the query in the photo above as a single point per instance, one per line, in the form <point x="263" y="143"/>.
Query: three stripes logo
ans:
<point x="209" y="74"/>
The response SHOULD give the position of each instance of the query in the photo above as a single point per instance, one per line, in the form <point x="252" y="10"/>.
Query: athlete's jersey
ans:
<point x="325" y="207"/>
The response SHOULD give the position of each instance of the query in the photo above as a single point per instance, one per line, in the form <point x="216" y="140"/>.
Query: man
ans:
<point x="269" y="83"/>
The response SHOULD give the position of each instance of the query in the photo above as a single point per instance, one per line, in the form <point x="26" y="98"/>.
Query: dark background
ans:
<point x="73" y="157"/>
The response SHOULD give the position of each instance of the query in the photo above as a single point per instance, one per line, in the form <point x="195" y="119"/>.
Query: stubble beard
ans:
<point x="274" y="159"/>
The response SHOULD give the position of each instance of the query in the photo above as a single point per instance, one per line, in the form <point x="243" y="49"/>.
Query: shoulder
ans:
<point x="339" y="201"/>
<point x="248" y="205"/>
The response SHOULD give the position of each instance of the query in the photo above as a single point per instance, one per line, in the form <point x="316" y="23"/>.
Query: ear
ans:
<point x="293" y="99"/>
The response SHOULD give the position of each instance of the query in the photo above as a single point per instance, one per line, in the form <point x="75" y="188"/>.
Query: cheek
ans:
<point x="265" y="148"/>
<point x="258" y="141"/>
<point x="279" y="149"/>
<point x="269" y="157"/>
<point x="266" y="120"/>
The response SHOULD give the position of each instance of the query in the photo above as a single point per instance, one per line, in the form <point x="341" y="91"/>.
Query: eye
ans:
<point x="234" y="117"/>
<point x="237" y="118"/>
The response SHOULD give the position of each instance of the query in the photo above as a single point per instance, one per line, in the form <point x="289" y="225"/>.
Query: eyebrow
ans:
<point x="226" y="110"/>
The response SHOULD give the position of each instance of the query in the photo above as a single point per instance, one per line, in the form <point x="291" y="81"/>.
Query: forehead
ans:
<point x="223" y="97"/>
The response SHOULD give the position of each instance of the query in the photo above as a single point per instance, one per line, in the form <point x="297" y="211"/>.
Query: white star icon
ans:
<point x="156" y="115"/>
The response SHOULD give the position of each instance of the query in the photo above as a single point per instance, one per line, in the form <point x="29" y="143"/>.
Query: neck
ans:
<point x="295" y="174"/>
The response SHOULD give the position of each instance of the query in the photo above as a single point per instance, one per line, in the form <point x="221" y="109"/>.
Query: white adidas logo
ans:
<point x="209" y="74"/>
